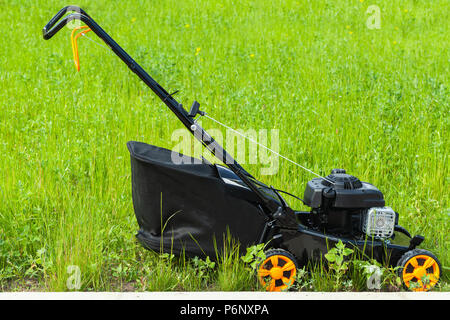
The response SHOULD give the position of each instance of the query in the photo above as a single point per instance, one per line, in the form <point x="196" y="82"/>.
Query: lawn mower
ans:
<point x="187" y="207"/>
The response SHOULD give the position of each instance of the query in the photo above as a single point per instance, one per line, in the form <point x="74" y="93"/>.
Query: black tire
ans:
<point x="277" y="271"/>
<point x="413" y="269"/>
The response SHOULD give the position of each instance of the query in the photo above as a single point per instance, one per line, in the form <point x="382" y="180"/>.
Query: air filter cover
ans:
<point x="379" y="222"/>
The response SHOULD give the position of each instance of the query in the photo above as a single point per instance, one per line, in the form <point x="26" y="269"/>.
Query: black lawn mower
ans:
<point x="188" y="207"/>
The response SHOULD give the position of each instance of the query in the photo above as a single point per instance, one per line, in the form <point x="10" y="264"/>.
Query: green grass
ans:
<point x="341" y="95"/>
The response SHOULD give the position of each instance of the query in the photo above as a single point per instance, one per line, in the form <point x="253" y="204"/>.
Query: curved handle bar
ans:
<point x="47" y="35"/>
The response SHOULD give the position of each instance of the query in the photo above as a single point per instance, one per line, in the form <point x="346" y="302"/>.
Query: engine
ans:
<point x="343" y="205"/>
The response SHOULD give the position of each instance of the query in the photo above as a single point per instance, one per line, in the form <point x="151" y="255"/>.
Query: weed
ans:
<point x="254" y="256"/>
<point x="338" y="263"/>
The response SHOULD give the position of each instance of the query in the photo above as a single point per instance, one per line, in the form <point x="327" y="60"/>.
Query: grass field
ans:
<point x="342" y="95"/>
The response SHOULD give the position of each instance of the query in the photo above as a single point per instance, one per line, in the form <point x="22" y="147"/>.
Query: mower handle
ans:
<point x="56" y="24"/>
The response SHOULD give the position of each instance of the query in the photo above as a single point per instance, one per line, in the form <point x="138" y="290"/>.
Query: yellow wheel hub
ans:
<point x="277" y="272"/>
<point x="421" y="273"/>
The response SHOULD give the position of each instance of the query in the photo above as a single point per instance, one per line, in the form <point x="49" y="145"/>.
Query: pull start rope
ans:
<point x="261" y="145"/>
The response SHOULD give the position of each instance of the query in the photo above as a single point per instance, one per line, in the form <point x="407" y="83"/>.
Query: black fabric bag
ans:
<point x="191" y="206"/>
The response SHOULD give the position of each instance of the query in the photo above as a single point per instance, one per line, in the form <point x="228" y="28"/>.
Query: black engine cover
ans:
<point x="341" y="190"/>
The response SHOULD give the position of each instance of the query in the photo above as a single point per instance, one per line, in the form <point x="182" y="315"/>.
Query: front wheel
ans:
<point x="277" y="272"/>
<point x="419" y="270"/>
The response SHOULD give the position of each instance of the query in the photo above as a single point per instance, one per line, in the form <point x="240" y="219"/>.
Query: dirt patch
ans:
<point x="32" y="285"/>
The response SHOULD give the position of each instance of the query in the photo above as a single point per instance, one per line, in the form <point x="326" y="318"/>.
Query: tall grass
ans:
<point x="372" y="101"/>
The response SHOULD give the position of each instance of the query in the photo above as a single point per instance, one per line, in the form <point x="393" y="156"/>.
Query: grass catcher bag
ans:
<point x="189" y="206"/>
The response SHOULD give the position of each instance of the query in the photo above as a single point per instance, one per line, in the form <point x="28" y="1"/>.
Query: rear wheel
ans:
<point x="277" y="272"/>
<point x="419" y="270"/>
